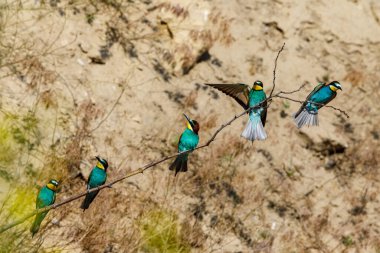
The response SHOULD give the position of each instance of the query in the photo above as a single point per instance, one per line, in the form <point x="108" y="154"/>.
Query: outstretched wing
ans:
<point x="238" y="91"/>
<point x="316" y="89"/>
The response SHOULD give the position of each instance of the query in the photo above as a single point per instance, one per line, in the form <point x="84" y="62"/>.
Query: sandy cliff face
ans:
<point x="114" y="77"/>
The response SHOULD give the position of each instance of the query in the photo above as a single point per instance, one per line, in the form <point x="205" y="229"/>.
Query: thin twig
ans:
<point x="109" y="113"/>
<point x="294" y="91"/>
<point x="275" y="68"/>
<point x="301" y="102"/>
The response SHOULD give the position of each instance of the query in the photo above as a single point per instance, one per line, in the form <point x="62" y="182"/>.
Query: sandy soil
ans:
<point x="115" y="81"/>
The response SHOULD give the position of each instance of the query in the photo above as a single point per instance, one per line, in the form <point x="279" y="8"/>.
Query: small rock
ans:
<point x="375" y="135"/>
<point x="283" y="114"/>
<point x="55" y="222"/>
<point x="330" y="164"/>
<point x="80" y="61"/>
<point x="97" y="60"/>
<point x="136" y="119"/>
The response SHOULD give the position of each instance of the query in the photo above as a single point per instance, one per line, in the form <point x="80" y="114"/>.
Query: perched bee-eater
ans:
<point x="98" y="177"/>
<point x="247" y="98"/>
<point x="320" y="96"/>
<point x="46" y="197"/>
<point x="188" y="140"/>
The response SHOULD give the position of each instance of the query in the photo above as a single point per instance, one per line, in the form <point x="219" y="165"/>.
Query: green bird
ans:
<point x="188" y="140"/>
<point x="98" y="177"/>
<point x="45" y="197"/>
<point x="249" y="97"/>
<point x="319" y="97"/>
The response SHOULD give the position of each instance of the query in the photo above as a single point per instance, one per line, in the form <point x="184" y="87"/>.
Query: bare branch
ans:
<point x="294" y="91"/>
<point x="154" y="163"/>
<point x="301" y="102"/>
<point x="275" y="68"/>
<point x="109" y="113"/>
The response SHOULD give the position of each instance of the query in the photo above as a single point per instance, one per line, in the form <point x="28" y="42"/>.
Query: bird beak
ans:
<point x="97" y="158"/>
<point x="340" y="88"/>
<point x="187" y="117"/>
<point x="189" y="124"/>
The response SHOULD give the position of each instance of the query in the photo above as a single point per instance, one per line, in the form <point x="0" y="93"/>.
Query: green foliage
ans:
<point x="347" y="241"/>
<point x="286" y="104"/>
<point x="160" y="233"/>
<point x="20" y="201"/>
<point x="264" y="234"/>
<point x="17" y="133"/>
<point x="25" y="130"/>
<point x="7" y="148"/>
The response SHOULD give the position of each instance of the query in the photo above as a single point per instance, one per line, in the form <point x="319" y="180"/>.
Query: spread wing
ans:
<point x="316" y="89"/>
<point x="237" y="91"/>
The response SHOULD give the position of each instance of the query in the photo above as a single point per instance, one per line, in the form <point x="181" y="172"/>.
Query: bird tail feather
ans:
<point x="88" y="199"/>
<point x="179" y="164"/>
<point x="37" y="222"/>
<point x="254" y="129"/>
<point x="306" y="118"/>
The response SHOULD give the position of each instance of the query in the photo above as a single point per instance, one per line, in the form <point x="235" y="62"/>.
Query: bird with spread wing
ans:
<point x="249" y="97"/>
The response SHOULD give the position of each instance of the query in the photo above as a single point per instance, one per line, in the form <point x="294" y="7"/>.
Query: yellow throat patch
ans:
<point x="257" y="87"/>
<point x="51" y="187"/>
<point x="333" y="88"/>
<point x="189" y="126"/>
<point x="100" y="165"/>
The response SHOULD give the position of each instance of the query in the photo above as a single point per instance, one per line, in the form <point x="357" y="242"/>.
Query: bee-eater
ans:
<point x="45" y="197"/>
<point x="188" y="140"/>
<point x="98" y="177"/>
<point x="320" y="96"/>
<point x="247" y="98"/>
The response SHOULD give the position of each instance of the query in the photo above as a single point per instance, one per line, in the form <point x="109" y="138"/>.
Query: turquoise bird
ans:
<point x="188" y="140"/>
<point x="320" y="96"/>
<point x="247" y="98"/>
<point x="45" y="197"/>
<point x="98" y="177"/>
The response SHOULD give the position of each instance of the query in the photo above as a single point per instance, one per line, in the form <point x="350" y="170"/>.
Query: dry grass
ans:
<point x="160" y="233"/>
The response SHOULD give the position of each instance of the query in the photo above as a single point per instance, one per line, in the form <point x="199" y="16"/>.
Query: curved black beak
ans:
<point x="97" y="158"/>
<point x="188" y="119"/>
